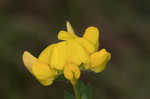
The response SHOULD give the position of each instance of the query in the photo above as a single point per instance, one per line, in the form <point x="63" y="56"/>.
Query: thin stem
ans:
<point x="76" y="92"/>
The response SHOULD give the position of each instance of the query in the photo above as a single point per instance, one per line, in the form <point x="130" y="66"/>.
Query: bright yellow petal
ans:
<point x="87" y="45"/>
<point x="99" y="60"/>
<point x="76" y="53"/>
<point x="47" y="82"/>
<point x="92" y="34"/>
<point x="63" y="35"/>
<point x="59" y="56"/>
<point x="43" y="73"/>
<point x="72" y="72"/>
<point x="45" y="55"/>
<point x="67" y="35"/>
<point x="28" y="60"/>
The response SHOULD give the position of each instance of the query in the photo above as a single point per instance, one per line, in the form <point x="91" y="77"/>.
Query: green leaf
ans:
<point x="85" y="92"/>
<point x="89" y="91"/>
<point x="81" y="87"/>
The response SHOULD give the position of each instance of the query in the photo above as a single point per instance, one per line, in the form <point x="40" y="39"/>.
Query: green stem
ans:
<point x="76" y="92"/>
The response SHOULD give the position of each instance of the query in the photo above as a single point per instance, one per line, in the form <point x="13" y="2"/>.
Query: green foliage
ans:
<point x="84" y="91"/>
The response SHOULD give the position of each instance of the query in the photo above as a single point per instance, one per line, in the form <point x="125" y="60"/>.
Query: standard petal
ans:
<point x="99" y="60"/>
<point x="58" y="58"/>
<point x="92" y="34"/>
<point x="67" y="35"/>
<point x="63" y="35"/>
<point x="45" y="55"/>
<point x="28" y="60"/>
<point x="86" y="44"/>
<point x="76" y="53"/>
<point x="43" y="73"/>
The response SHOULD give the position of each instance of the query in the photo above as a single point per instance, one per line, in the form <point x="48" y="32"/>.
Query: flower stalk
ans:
<point x="75" y="89"/>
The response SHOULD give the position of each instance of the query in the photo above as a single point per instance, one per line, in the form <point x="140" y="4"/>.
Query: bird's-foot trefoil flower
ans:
<point x="68" y="57"/>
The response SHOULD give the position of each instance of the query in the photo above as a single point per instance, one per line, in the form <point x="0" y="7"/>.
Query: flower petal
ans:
<point x="86" y="44"/>
<point x="99" y="60"/>
<point x="28" y="60"/>
<point x="72" y="72"/>
<point x="92" y="34"/>
<point x="70" y="34"/>
<point x="76" y="53"/>
<point x="59" y="56"/>
<point x="63" y="35"/>
<point x="47" y="82"/>
<point x="43" y="73"/>
<point x="45" y="55"/>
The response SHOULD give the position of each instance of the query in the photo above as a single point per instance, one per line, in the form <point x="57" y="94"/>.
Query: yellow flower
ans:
<point x="72" y="73"/>
<point x="66" y="57"/>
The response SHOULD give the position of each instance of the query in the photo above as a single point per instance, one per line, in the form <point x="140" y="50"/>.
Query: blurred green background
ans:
<point x="33" y="24"/>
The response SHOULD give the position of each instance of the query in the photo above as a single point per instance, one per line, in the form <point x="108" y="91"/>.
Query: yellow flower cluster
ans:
<point x="66" y="57"/>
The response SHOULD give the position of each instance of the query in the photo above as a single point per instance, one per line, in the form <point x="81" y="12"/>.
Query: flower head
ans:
<point x="66" y="56"/>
